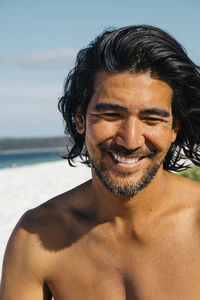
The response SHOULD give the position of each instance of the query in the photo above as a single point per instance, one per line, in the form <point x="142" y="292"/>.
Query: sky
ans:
<point x="39" y="41"/>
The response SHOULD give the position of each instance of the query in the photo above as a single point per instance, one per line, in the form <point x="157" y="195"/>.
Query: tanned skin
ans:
<point x="91" y="243"/>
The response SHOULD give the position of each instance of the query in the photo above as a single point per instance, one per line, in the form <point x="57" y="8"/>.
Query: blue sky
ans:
<point x="39" y="42"/>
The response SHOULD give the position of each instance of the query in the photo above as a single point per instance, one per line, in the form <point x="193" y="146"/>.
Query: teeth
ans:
<point x="125" y="160"/>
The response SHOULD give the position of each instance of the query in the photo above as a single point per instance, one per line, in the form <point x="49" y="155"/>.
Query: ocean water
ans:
<point x="17" y="159"/>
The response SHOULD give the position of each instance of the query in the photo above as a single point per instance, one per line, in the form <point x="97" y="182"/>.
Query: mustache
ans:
<point x="118" y="149"/>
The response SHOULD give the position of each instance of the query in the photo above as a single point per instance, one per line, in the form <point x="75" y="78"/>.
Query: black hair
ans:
<point x="138" y="49"/>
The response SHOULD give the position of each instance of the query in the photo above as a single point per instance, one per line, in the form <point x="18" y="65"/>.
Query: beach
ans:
<point x="23" y="188"/>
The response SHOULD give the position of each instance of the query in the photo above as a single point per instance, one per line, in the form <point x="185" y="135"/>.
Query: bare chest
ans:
<point x="165" y="270"/>
<point x="163" y="265"/>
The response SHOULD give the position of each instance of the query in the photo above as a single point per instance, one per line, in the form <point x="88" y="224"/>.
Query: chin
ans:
<point x="125" y="186"/>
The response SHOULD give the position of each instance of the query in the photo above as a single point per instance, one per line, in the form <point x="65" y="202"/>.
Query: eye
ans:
<point x="111" y="115"/>
<point x="108" y="116"/>
<point x="153" y="120"/>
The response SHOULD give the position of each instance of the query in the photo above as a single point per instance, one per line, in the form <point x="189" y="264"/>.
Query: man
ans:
<point x="132" y="108"/>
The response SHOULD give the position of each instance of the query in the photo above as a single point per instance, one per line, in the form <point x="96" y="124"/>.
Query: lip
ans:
<point x="124" y="164"/>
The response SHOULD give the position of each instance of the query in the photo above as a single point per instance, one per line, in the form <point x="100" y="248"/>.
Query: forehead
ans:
<point x="131" y="89"/>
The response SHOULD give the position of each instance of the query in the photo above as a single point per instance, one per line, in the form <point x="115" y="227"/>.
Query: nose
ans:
<point x="131" y="134"/>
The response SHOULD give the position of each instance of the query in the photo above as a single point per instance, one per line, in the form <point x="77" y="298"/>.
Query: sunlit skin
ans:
<point x="133" y="111"/>
<point x="90" y="243"/>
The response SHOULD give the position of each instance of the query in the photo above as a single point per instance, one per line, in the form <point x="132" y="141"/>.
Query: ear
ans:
<point x="175" y="131"/>
<point x="80" y="121"/>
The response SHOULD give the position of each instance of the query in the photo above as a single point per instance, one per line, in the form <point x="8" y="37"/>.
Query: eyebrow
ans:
<point x="101" y="107"/>
<point x="156" y="111"/>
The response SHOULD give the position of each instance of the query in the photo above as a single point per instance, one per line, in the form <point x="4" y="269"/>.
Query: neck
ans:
<point x="150" y="199"/>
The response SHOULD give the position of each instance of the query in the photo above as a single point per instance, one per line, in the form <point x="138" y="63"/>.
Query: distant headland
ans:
<point x="36" y="143"/>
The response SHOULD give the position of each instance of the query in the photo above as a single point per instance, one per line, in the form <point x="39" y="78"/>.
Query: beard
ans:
<point x="127" y="188"/>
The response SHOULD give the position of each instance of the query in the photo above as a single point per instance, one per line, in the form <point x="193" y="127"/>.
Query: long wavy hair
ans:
<point x="137" y="49"/>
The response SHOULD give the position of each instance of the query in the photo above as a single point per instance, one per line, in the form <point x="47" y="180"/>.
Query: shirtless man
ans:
<point x="132" y="107"/>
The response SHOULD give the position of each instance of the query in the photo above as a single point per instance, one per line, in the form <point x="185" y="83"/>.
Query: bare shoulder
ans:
<point x="53" y="224"/>
<point x="189" y="189"/>
<point x="38" y="236"/>
<point x="25" y="266"/>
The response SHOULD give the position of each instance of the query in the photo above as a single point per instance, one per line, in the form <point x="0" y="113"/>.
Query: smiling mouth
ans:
<point x="125" y="160"/>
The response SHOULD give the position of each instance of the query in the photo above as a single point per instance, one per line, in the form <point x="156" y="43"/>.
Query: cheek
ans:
<point x="101" y="131"/>
<point x="159" y="137"/>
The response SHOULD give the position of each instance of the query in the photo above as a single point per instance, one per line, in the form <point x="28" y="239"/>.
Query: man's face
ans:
<point x="128" y="129"/>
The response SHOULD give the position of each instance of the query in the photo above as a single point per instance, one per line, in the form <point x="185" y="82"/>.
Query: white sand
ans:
<point x="22" y="188"/>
